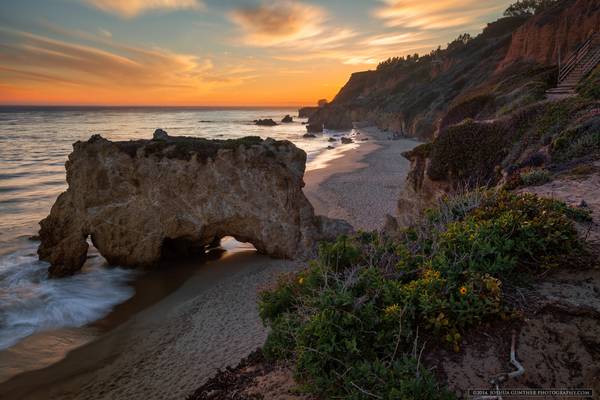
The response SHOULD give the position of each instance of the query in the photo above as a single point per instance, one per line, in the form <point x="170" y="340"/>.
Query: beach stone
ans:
<point x="140" y="199"/>
<point x="346" y="140"/>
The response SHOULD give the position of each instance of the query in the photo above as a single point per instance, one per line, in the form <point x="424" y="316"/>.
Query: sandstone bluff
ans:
<point x="139" y="200"/>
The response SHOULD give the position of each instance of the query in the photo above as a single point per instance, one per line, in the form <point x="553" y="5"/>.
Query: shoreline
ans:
<point x="211" y="321"/>
<point x="364" y="184"/>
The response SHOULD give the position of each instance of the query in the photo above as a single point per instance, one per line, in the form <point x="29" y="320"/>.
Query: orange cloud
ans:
<point x="288" y="24"/>
<point x="361" y="60"/>
<point x="436" y="14"/>
<point x="46" y="67"/>
<point x="395" y="39"/>
<point x="132" y="8"/>
<point x="34" y="54"/>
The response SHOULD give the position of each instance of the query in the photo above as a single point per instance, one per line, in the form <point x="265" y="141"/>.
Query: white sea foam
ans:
<point x="30" y="302"/>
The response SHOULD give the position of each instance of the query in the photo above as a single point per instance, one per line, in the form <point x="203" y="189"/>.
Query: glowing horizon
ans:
<point x="213" y="53"/>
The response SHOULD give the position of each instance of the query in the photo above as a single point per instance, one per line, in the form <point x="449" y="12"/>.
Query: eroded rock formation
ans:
<point x="554" y="33"/>
<point x="138" y="199"/>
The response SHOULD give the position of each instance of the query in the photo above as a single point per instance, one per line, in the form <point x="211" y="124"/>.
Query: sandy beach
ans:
<point x="211" y="320"/>
<point x="364" y="184"/>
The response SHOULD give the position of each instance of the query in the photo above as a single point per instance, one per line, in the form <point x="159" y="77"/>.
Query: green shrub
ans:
<point x="590" y="87"/>
<point x="554" y="119"/>
<point x="339" y="255"/>
<point x="582" y="141"/>
<point x="469" y="152"/>
<point x="535" y="177"/>
<point x="400" y="380"/>
<point x="350" y="321"/>
<point x="468" y="108"/>
<point x="421" y="151"/>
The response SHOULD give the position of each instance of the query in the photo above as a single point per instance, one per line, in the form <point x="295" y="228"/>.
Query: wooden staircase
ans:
<point x="581" y="63"/>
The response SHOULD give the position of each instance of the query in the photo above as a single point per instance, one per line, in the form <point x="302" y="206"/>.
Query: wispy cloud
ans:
<point x="360" y="60"/>
<point x="288" y="24"/>
<point x="400" y="38"/>
<point x="417" y="26"/>
<point x="436" y="14"/>
<point x="132" y="8"/>
<point x="367" y="57"/>
<point x="26" y="57"/>
<point x="105" y="33"/>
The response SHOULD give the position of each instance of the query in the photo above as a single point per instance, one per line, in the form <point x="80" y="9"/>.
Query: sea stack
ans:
<point x="137" y="199"/>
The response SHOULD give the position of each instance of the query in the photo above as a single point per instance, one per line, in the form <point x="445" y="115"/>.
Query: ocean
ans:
<point x="34" y="145"/>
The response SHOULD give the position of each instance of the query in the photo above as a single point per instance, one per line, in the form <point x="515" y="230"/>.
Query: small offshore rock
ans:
<point x="160" y="134"/>
<point x="265" y="122"/>
<point x="287" y="119"/>
<point x="346" y="140"/>
<point x="308" y="136"/>
<point x="330" y="147"/>
<point x="331" y="140"/>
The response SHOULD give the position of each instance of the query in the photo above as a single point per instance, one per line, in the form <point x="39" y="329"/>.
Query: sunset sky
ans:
<point x="205" y="52"/>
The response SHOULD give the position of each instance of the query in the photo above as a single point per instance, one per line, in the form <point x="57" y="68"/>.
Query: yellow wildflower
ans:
<point x="462" y="290"/>
<point x="301" y="280"/>
<point x="392" y="309"/>
<point x="430" y="274"/>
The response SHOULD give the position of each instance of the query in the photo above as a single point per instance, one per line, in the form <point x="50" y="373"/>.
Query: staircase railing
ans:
<point x="577" y="56"/>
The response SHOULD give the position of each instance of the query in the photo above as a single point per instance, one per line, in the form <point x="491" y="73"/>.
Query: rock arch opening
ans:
<point x="185" y="247"/>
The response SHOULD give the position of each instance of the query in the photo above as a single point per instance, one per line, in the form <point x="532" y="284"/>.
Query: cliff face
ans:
<point x="553" y="33"/>
<point x="547" y="138"/>
<point x="409" y="97"/>
<point x="142" y="200"/>
<point x="510" y="64"/>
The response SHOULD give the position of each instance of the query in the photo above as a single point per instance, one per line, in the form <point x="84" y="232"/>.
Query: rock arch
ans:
<point x="132" y="197"/>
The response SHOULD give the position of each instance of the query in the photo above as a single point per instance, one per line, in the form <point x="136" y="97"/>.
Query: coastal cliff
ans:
<point x="140" y="201"/>
<point x="498" y="129"/>
<point x="554" y="33"/>
<point x="509" y="65"/>
<point x="409" y="96"/>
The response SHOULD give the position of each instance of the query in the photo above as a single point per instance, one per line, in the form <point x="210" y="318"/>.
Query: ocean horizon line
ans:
<point x="38" y="107"/>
